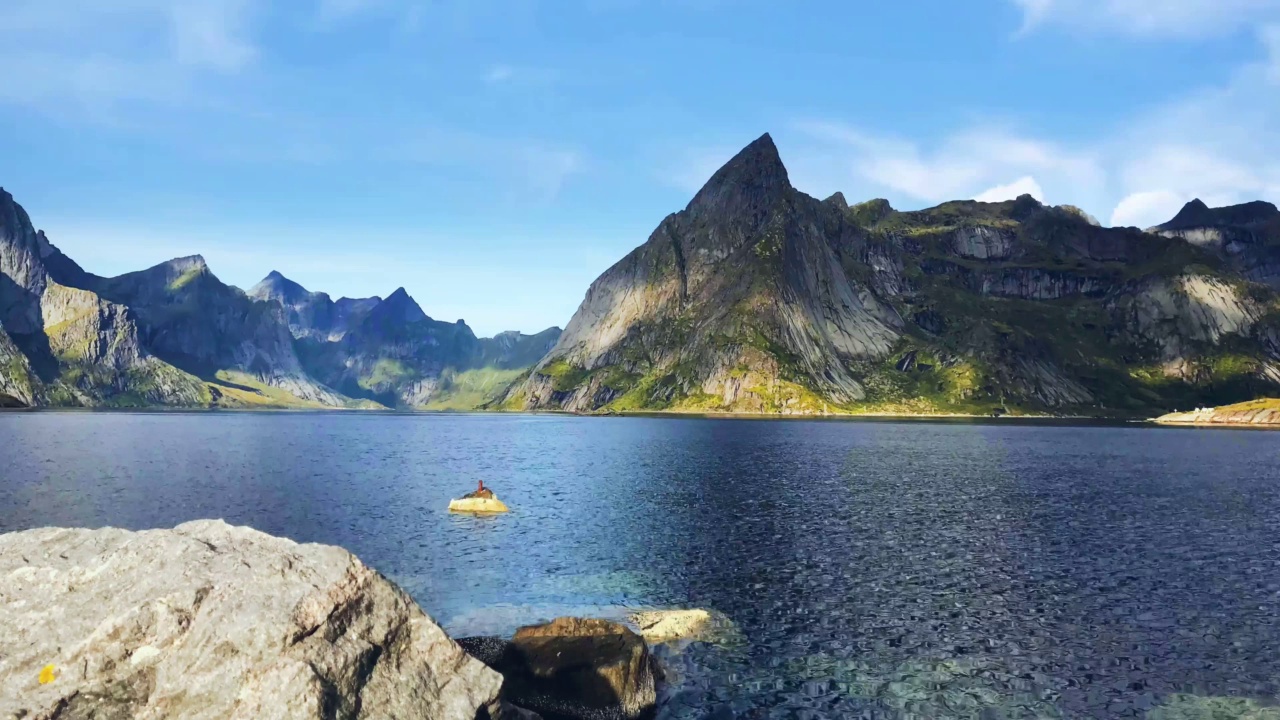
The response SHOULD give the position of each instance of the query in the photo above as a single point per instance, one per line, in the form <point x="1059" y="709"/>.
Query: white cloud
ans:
<point x="1150" y="18"/>
<point x="1022" y="186"/>
<point x="962" y="165"/>
<point x="1147" y="208"/>
<point x="86" y="56"/>
<point x="1220" y="144"/>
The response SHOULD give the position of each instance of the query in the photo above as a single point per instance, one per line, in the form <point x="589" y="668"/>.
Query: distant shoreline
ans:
<point x="870" y="416"/>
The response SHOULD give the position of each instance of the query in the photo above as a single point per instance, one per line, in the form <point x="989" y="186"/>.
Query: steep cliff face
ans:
<point x="1246" y="236"/>
<point x="101" y="358"/>
<point x="194" y="321"/>
<point x="64" y="344"/>
<point x="312" y="314"/>
<point x="19" y="386"/>
<point x="754" y="296"/>
<point x="174" y="334"/>
<point x="759" y="298"/>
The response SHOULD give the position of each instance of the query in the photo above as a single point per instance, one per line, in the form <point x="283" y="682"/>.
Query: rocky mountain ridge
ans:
<point x="176" y="335"/>
<point x="759" y="298"/>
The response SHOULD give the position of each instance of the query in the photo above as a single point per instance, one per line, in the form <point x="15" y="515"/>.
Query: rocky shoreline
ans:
<point x="208" y="620"/>
<point x="1263" y="413"/>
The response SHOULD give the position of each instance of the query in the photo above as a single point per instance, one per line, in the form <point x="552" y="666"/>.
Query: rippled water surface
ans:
<point x="872" y="569"/>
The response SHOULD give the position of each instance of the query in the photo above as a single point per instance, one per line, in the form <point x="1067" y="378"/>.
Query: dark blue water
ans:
<point x="873" y="569"/>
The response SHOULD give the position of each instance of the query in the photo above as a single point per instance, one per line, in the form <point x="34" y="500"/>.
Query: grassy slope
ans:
<point x="472" y="389"/>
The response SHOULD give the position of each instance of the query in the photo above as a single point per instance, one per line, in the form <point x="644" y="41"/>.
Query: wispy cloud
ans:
<point x="1220" y="144"/>
<point x="988" y="160"/>
<point x="1011" y="191"/>
<point x="87" y="57"/>
<point x="1150" y="18"/>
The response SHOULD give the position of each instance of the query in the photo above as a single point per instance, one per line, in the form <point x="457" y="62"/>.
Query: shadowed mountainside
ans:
<point x="759" y="298"/>
<point x="176" y="335"/>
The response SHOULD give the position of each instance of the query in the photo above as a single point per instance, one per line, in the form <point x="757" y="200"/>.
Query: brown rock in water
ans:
<point x="210" y="621"/>
<point x="574" y="669"/>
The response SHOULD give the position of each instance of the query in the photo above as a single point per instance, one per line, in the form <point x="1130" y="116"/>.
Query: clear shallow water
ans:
<point x="874" y="569"/>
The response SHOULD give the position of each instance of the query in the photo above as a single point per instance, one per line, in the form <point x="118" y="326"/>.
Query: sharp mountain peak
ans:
<point x="754" y="176"/>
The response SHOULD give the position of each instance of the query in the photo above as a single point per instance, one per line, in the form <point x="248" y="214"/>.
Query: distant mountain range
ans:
<point x="759" y="298"/>
<point x="175" y="335"/>
<point x="755" y="298"/>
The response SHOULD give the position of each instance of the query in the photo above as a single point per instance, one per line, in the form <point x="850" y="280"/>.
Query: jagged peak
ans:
<point x="1196" y="214"/>
<point x="754" y="176"/>
<point x="183" y="264"/>
<point x="276" y="286"/>
<point x="872" y="211"/>
<point x="1024" y="206"/>
<point x="401" y="306"/>
<point x="189" y="260"/>
<point x="837" y="199"/>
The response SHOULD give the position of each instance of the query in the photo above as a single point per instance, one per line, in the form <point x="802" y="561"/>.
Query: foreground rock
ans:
<point x="1264" y="412"/>
<point x="574" y="668"/>
<point x="212" y="621"/>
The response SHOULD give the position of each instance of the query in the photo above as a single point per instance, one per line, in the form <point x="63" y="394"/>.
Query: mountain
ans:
<point x="392" y="353"/>
<point x="312" y="314"/>
<point x="759" y="298"/>
<point x="194" y="321"/>
<point x="1246" y="237"/>
<point x="176" y="335"/>
<point x="68" y="345"/>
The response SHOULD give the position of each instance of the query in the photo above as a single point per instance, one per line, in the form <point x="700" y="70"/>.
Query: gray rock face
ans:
<point x="192" y="319"/>
<point x="750" y="263"/>
<point x="212" y="621"/>
<point x="174" y="334"/>
<point x="17" y="383"/>
<point x="982" y="243"/>
<point x="64" y="343"/>
<point x="758" y="298"/>
<point x="1246" y="236"/>
<point x="309" y="314"/>
<point x="390" y="351"/>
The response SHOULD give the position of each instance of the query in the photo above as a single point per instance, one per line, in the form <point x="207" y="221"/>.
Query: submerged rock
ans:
<point x="658" y="626"/>
<point x="574" y="668"/>
<point x="212" y="621"/>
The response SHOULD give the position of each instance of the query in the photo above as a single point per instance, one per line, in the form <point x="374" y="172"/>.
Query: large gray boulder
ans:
<point x="212" y="621"/>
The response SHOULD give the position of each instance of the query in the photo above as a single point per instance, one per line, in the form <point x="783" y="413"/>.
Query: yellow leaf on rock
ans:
<point x="46" y="675"/>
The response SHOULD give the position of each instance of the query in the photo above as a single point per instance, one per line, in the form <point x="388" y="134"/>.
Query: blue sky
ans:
<point x="494" y="156"/>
